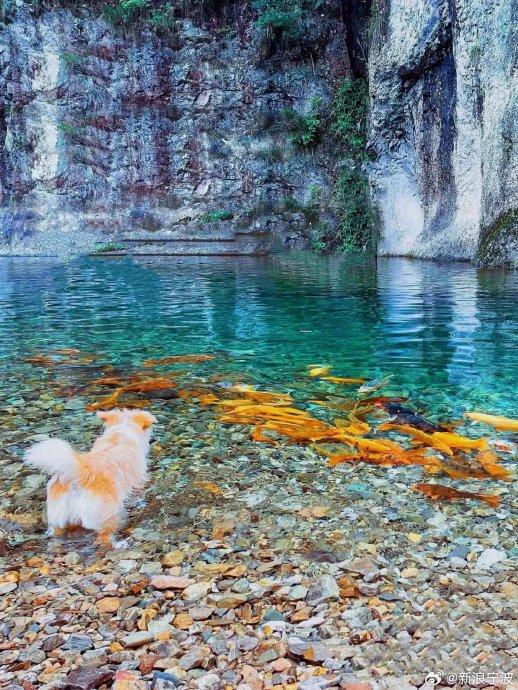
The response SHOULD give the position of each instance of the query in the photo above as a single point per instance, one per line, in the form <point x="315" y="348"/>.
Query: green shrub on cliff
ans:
<point x="68" y="129"/>
<point x="310" y="210"/>
<point x="352" y="197"/>
<point x="158" y="15"/>
<point x="216" y="216"/>
<point x="304" y="128"/>
<point x="285" y="21"/>
<point x="356" y="215"/>
<point x="71" y="60"/>
<point x="279" y="16"/>
<point x="162" y="18"/>
<point x="349" y="120"/>
<point x="125" y="11"/>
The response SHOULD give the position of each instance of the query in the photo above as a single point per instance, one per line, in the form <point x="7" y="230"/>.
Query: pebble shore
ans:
<point x="248" y="566"/>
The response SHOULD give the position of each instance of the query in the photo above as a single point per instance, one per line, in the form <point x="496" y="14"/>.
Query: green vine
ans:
<point x="351" y="196"/>
<point x="216" y="216"/>
<point x="304" y="129"/>
<point x="284" y="20"/>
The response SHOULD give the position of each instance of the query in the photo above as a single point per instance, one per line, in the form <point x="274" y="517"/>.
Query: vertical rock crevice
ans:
<point x="356" y="15"/>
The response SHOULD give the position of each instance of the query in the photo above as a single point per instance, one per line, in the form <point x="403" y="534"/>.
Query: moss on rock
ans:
<point x="499" y="243"/>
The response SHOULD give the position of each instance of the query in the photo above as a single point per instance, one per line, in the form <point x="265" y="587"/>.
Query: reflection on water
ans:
<point x="446" y="331"/>
<point x="464" y="324"/>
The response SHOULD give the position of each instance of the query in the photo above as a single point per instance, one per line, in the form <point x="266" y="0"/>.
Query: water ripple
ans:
<point x="449" y="328"/>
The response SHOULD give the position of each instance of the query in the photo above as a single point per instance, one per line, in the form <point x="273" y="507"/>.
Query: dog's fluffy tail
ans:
<point x="53" y="457"/>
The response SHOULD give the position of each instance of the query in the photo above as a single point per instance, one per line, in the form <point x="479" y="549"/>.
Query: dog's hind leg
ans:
<point x="57" y="506"/>
<point x="107" y="530"/>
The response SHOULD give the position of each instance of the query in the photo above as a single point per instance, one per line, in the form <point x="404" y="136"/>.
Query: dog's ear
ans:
<point x="109" y="417"/>
<point x="144" y="419"/>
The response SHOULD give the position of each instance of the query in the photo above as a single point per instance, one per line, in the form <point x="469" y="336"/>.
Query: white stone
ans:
<point x="489" y="557"/>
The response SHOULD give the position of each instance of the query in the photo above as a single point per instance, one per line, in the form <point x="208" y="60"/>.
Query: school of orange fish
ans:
<point x="354" y="435"/>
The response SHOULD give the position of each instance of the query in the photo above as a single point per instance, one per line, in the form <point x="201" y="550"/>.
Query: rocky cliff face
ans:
<point x="443" y="128"/>
<point x="207" y="133"/>
<point x="161" y="138"/>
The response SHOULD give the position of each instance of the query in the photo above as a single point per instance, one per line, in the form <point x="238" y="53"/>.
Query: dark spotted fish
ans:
<point x="403" y="415"/>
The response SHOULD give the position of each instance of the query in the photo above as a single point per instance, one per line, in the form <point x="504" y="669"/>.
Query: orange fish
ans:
<point x="341" y="379"/>
<point x="186" y="359"/>
<point x="500" y="423"/>
<point x="159" y="383"/>
<point x="263" y="396"/>
<point x="489" y="462"/>
<point x="40" y="360"/>
<point x="208" y="399"/>
<point x="319" y="370"/>
<point x="432" y="440"/>
<point x="436" y="492"/>
<point x="457" y="441"/>
<point x="353" y="425"/>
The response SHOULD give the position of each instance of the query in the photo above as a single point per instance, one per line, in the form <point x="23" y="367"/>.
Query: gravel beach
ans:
<point x="248" y="566"/>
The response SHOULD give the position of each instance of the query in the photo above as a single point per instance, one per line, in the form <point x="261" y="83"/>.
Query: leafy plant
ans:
<point x="505" y="225"/>
<point x="157" y="15"/>
<point x="68" y="129"/>
<point x="280" y="16"/>
<point x="350" y="116"/>
<point x="109" y="247"/>
<point x="475" y="51"/>
<point x="305" y="129"/>
<point x="285" y="22"/>
<point x="162" y="19"/>
<point x="70" y="59"/>
<point x="125" y="12"/>
<point x="290" y="204"/>
<point x="352" y="196"/>
<point x="319" y="242"/>
<point x="216" y="216"/>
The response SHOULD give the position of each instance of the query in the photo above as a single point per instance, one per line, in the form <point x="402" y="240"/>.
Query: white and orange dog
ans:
<point x="89" y="489"/>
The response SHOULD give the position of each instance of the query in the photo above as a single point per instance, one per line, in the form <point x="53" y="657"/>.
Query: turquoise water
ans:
<point x="445" y="332"/>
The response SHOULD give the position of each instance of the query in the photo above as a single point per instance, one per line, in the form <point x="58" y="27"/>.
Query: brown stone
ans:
<point x="349" y="592"/>
<point x="86" y="678"/>
<point x="51" y="642"/>
<point x="147" y="663"/>
<point x="108" y="604"/>
<point x="281" y="665"/>
<point x="230" y="601"/>
<point x="183" y="621"/>
<point x="238" y="571"/>
<point x="360" y="565"/>
<point x="360" y="637"/>
<point x="27" y="685"/>
<point x="139" y="586"/>
<point x="301" y="615"/>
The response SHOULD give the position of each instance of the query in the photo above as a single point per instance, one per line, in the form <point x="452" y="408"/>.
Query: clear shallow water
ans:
<point x="446" y="332"/>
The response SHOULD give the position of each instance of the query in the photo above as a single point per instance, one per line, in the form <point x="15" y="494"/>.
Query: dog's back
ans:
<point x="89" y="488"/>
